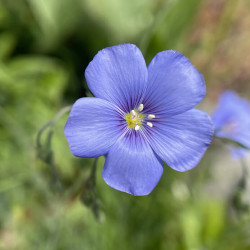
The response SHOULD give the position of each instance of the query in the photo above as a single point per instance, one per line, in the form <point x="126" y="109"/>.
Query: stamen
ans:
<point x="133" y="112"/>
<point x="137" y="127"/>
<point x="151" y="116"/>
<point x="150" y="124"/>
<point x="140" y="107"/>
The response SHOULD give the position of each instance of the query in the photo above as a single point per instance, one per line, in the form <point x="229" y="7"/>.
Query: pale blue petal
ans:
<point x="131" y="166"/>
<point x="181" y="140"/>
<point x="118" y="74"/>
<point x="232" y="118"/>
<point x="174" y="84"/>
<point x="92" y="127"/>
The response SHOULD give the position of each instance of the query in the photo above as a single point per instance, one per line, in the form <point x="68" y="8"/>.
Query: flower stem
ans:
<point x="44" y="151"/>
<point x="232" y="142"/>
<point x="89" y="196"/>
<point x="52" y="122"/>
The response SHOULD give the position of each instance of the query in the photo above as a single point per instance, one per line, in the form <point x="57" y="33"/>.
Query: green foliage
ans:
<point x="52" y="200"/>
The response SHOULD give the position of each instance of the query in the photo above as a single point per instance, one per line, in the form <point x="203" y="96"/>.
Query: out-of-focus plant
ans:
<point x="44" y="48"/>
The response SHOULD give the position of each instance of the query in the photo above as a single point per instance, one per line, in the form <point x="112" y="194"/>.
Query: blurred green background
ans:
<point x="52" y="200"/>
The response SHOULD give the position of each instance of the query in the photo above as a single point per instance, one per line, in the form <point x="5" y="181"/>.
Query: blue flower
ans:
<point x="232" y="120"/>
<point x="140" y="116"/>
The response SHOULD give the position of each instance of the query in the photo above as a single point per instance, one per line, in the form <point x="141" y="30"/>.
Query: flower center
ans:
<point x="135" y="118"/>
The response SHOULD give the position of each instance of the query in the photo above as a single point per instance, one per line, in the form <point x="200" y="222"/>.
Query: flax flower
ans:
<point x="232" y="121"/>
<point x="140" y="116"/>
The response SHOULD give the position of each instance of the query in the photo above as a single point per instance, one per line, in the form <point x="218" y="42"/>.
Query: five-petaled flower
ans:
<point x="232" y="120"/>
<point x="140" y="116"/>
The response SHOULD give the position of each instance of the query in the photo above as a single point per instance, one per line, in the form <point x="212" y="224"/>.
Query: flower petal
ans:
<point x="175" y="85"/>
<point x="118" y="74"/>
<point x="232" y="118"/>
<point x="131" y="166"/>
<point x="92" y="127"/>
<point x="181" y="140"/>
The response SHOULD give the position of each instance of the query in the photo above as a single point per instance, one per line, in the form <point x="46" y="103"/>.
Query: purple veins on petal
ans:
<point x="174" y="84"/>
<point x="92" y="127"/>
<point x="131" y="165"/>
<point x="181" y="140"/>
<point x="118" y="74"/>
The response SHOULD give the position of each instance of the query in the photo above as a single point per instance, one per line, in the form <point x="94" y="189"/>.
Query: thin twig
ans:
<point x="45" y="152"/>
<point x="52" y="122"/>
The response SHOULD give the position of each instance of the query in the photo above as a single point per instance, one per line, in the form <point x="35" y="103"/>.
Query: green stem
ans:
<point x="245" y="172"/>
<point x="232" y="142"/>
<point x="158" y="18"/>
<point x="89" y="195"/>
<point x="51" y="123"/>
<point x="45" y="152"/>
